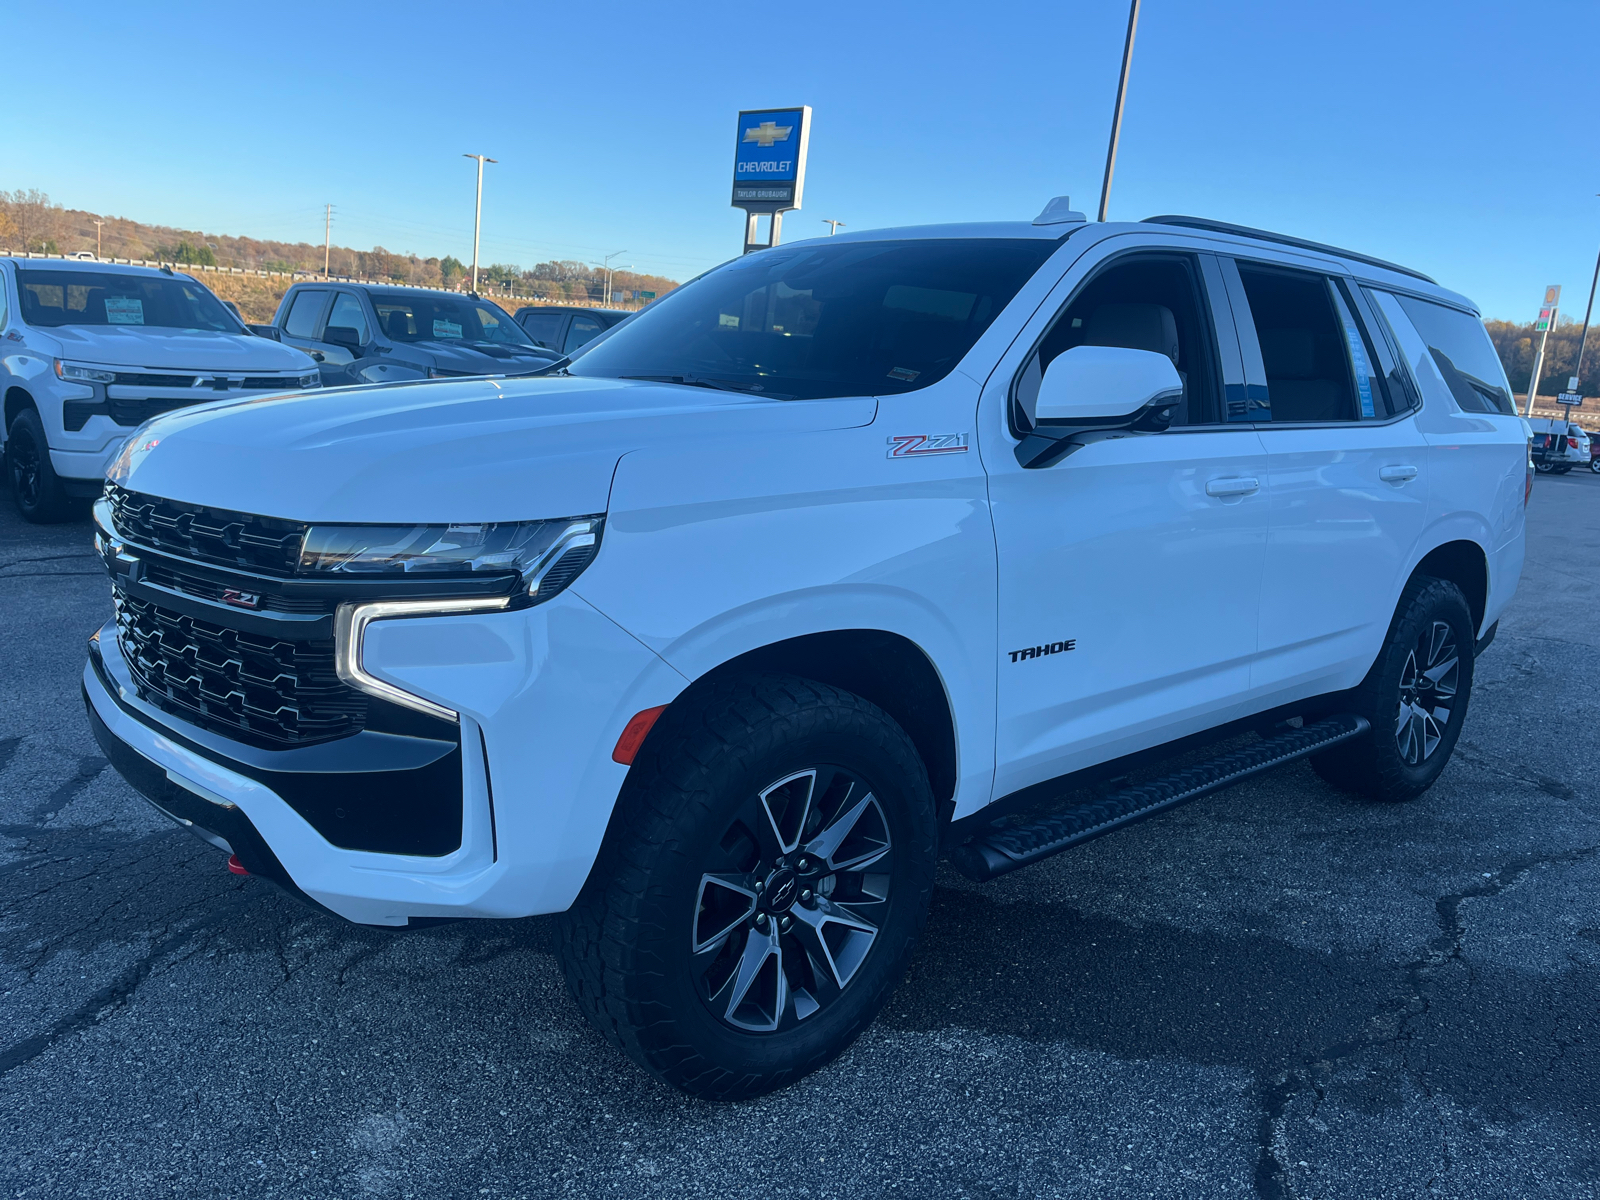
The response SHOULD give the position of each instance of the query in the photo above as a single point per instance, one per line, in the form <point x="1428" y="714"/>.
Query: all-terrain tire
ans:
<point x="1415" y="721"/>
<point x="630" y="946"/>
<point x="35" y="488"/>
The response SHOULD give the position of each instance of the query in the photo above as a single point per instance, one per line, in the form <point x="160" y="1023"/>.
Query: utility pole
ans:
<point x="1583" y="338"/>
<point x="98" y="222"/>
<point x="1547" y="318"/>
<point x="477" y="217"/>
<point x="833" y="226"/>
<point x="327" y="239"/>
<point x="1116" y="116"/>
<point x="606" y="265"/>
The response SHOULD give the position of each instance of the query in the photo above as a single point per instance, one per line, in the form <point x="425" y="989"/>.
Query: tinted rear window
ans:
<point x="815" y="320"/>
<point x="1465" y="356"/>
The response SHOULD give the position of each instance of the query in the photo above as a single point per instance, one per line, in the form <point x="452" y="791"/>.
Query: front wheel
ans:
<point x="1415" y="696"/>
<point x="766" y="874"/>
<point x="35" y="487"/>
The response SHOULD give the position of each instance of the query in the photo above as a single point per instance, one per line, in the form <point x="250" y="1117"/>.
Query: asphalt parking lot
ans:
<point x="1276" y="992"/>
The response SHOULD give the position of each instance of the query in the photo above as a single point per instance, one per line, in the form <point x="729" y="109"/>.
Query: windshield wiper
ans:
<point x="721" y="385"/>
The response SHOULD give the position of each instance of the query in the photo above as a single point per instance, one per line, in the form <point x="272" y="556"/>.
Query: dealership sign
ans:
<point x="769" y="159"/>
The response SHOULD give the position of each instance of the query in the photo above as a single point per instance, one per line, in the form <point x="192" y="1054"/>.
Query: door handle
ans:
<point x="1232" y="487"/>
<point x="1397" y="474"/>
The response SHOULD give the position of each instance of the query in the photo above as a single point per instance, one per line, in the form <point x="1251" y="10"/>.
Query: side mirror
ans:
<point x="271" y="332"/>
<point x="1105" y="386"/>
<point x="343" y="335"/>
<point x="1092" y="392"/>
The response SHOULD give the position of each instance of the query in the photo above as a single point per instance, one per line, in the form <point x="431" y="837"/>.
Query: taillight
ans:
<point x="1527" y="483"/>
<point x="1572" y="443"/>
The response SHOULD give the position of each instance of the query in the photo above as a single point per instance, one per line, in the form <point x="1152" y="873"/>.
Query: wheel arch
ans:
<point x="888" y="669"/>
<point x="1464" y="563"/>
<point x="17" y="401"/>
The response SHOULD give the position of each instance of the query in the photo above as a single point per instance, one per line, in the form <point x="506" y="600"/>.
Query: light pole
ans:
<point x="1583" y="338"/>
<point x="97" y="223"/>
<point x="327" y="238"/>
<point x="606" y="266"/>
<point x="833" y="226"/>
<point x="477" y="217"/>
<point x="1116" y="116"/>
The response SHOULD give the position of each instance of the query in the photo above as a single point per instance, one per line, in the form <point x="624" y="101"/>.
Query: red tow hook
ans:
<point x="236" y="866"/>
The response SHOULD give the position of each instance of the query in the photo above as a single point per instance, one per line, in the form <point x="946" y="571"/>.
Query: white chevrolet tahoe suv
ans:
<point x="847" y="555"/>
<point x="91" y="350"/>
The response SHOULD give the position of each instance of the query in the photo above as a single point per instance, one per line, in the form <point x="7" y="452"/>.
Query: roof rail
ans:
<point x="1286" y="240"/>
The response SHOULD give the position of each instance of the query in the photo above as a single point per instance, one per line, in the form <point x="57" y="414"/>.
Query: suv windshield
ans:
<point x="817" y="320"/>
<point x="54" y="298"/>
<point x="441" y="317"/>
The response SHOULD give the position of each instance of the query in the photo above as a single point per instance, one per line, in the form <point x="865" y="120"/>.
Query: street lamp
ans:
<point x="477" y="217"/>
<point x="833" y="226"/>
<point x="606" y="264"/>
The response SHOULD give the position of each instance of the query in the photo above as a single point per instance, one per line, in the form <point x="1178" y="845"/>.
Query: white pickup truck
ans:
<point x="89" y="351"/>
<point x="716" y="637"/>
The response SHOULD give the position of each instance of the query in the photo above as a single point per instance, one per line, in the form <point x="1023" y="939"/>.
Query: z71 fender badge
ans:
<point x="914" y="445"/>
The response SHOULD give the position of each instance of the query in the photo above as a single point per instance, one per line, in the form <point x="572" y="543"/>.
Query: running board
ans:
<point x="1001" y="850"/>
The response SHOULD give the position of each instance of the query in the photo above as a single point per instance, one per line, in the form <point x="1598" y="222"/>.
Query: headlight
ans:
<point x="547" y="555"/>
<point x="310" y="381"/>
<point x="79" y="373"/>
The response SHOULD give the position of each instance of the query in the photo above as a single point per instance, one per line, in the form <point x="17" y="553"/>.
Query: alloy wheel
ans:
<point x="793" y="904"/>
<point x="1428" y="683"/>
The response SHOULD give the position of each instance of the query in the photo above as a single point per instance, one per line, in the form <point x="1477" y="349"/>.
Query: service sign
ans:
<point x="769" y="160"/>
<point x="1571" y="399"/>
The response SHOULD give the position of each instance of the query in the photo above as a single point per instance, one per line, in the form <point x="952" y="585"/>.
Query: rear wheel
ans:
<point x="766" y="875"/>
<point x="1594" y="465"/>
<point x="35" y="487"/>
<point x="1415" y="696"/>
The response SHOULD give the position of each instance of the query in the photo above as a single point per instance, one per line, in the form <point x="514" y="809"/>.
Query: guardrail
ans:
<point x="301" y="276"/>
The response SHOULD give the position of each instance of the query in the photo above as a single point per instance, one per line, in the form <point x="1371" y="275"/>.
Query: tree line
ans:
<point x="1518" y="344"/>
<point x="29" y="221"/>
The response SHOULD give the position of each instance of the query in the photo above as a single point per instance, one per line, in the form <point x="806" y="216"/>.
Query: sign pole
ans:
<point x="1583" y="337"/>
<point x="1547" y="318"/>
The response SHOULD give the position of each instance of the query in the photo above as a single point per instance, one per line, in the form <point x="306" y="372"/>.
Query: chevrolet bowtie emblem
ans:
<point x="768" y="132"/>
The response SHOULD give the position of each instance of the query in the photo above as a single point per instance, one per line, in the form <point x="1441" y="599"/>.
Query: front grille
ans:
<point x="268" y="690"/>
<point x="162" y="574"/>
<point x="129" y="411"/>
<point x="266" y="545"/>
<point x="147" y="379"/>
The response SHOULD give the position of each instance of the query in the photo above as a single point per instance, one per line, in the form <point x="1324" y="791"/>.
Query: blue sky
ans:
<point x="1442" y="135"/>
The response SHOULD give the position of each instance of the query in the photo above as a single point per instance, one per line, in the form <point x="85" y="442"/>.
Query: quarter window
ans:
<point x="1463" y="355"/>
<point x="1304" y="347"/>
<point x="305" y="313"/>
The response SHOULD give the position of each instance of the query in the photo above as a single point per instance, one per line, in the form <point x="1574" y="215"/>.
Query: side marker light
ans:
<point x="633" y="735"/>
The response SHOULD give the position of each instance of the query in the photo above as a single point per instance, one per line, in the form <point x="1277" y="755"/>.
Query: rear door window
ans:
<point x="1305" y="349"/>
<point x="544" y="328"/>
<point x="305" y="313"/>
<point x="1463" y="355"/>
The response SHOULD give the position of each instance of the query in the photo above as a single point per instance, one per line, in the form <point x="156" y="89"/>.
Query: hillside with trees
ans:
<point x="1518" y="344"/>
<point x="29" y="221"/>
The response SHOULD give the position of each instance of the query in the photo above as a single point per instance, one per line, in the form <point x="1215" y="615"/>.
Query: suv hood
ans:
<point x="445" y="450"/>
<point x="490" y="360"/>
<point x="175" y="349"/>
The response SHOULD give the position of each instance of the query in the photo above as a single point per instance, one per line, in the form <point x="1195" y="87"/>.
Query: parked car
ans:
<point x="372" y="333"/>
<point x="1558" y="445"/>
<point x="713" y="639"/>
<point x="91" y="350"/>
<point x="567" y="330"/>
<point x="1594" y="449"/>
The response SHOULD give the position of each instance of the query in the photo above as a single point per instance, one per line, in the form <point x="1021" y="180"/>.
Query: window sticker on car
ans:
<point x="1358" y="359"/>
<point x="445" y="329"/>
<point x="905" y="373"/>
<point x="124" y="310"/>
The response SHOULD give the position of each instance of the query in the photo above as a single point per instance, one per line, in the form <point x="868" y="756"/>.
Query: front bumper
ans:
<point x="542" y="693"/>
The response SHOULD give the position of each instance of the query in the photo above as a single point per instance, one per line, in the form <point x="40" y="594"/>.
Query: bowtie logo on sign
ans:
<point x="768" y="132"/>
